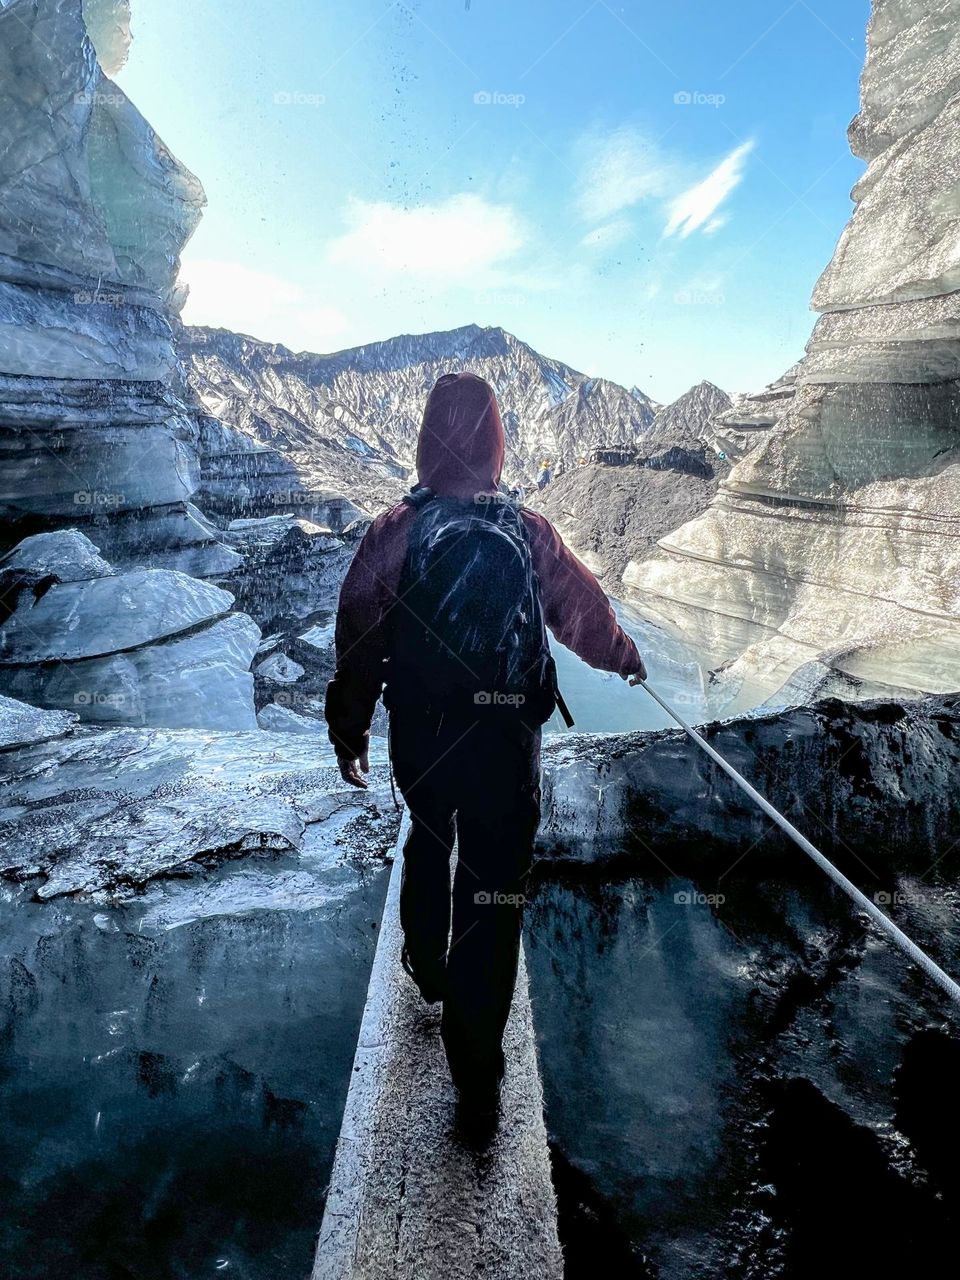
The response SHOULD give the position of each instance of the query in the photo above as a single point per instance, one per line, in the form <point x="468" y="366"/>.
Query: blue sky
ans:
<point x="647" y="191"/>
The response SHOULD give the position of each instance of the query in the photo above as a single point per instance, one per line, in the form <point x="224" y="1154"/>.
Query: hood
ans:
<point x="461" y="445"/>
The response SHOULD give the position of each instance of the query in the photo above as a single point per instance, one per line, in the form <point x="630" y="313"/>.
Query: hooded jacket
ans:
<point x="460" y="453"/>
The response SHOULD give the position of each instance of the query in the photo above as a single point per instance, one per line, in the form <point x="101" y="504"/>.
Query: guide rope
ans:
<point x="895" y="934"/>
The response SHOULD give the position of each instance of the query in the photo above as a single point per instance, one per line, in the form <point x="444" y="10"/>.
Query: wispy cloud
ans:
<point x="619" y="170"/>
<point x="694" y="208"/>
<point x="453" y="240"/>
<point x="624" y="169"/>
<point x="607" y="235"/>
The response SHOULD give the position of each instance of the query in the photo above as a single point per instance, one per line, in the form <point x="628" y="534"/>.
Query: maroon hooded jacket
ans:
<point x="460" y="453"/>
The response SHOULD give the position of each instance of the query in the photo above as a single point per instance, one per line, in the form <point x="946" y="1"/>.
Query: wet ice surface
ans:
<point x="734" y="1080"/>
<point x="730" y="1087"/>
<point x="173" y="1072"/>
<point x="603" y="703"/>
<point x="187" y="923"/>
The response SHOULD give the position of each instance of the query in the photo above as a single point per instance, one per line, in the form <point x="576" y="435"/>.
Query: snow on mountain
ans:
<point x="369" y="400"/>
<point x="275" y="401"/>
<point x="642" y="396"/>
<point x="597" y="413"/>
<point x="692" y="413"/>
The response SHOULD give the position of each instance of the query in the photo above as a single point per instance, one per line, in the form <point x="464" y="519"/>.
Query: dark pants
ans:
<point x="476" y="781"/>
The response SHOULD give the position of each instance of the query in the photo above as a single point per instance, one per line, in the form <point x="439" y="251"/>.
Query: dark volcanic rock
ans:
<point x="871" y="779"/>
<point x="615" y="511"/>
<point x="744" y="1074"/>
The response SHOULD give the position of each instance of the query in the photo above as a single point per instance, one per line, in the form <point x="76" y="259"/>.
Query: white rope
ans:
<point x="895" y="934"/>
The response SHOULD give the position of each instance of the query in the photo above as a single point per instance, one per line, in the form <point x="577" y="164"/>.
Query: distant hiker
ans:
<point x="545" y="475"/>
<point x="445" y="602"/>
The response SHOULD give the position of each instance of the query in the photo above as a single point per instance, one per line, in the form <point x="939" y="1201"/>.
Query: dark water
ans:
<point x="171" y="1096"/>
<point x="742" y="1089"/>
<point x="727" y="1083"/>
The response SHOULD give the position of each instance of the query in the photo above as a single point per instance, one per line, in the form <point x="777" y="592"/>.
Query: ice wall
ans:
<point x="94" y="436"/>
<point x="836" y="538"/>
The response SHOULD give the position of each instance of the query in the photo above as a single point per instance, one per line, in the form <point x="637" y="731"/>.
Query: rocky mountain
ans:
<point x="260" y="397"/>
<point x="598" y="413"/>
<point x="693" y="412"/>
<point x="644" y="398"/>
<point x="351" y="418"/>
<point x="614" y="514"/>
<point x="836" y="540"/>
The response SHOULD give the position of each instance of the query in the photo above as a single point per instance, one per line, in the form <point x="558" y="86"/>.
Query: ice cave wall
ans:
<point x="98" y="450"/>
<point x="834" y="544"/>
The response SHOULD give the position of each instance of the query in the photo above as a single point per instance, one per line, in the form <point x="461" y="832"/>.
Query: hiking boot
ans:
<point x="478" y="1103"/>
<point x="478" y="1111"/>
<point x="431" y="992"/>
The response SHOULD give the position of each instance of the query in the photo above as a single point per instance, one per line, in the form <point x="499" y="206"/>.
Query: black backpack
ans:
<point x="467" y="632"/>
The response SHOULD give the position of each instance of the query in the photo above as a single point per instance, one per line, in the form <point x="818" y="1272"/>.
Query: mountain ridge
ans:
<point x="371" y="396"/>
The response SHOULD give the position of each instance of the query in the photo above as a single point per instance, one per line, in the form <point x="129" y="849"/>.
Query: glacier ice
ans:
<point x="94" y="431"/>
<point x="835" y="540"/>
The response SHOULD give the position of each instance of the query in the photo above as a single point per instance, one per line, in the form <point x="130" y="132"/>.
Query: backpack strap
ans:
<point x="419" y="496"/>
<point x="568" y="720"/>
<point x="562" y="707"/>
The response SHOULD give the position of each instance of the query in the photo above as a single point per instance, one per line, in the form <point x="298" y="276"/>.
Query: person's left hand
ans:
<point x="638" y="676"/>
<point x="350" y="770"/>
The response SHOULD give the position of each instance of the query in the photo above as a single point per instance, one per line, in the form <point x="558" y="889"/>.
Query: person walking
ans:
<point x="444" y="612"/>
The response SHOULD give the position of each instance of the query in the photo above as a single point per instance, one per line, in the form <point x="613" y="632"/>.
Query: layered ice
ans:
<point x="95" y="433"/>
<point x="834" y="540"/>
<point x="144" y="647"/>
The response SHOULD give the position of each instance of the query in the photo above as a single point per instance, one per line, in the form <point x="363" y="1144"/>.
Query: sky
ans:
<point x="646" y="191"/>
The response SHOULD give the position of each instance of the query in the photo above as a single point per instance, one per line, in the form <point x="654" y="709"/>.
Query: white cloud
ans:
<point x="619" y="170"/>
<point x="695" y="207"/>
<point x="607" y="235"/>
<point x="234" y="296"/>
<point x="715" y="224"/>
<point x="456" y="239"/>
<point x="219" y="288"/>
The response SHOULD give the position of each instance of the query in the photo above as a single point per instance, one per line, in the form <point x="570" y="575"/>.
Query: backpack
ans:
<point x="467" y="631"/>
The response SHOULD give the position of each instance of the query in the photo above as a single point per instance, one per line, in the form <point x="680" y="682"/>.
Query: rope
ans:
<point x="886" y="925"/>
